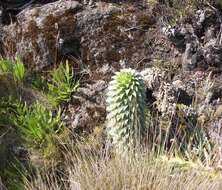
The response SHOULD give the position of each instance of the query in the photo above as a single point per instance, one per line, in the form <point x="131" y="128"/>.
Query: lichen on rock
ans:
<point x="36" y="34"/>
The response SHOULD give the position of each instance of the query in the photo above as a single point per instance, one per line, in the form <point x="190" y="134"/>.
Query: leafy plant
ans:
<point x="39" y="125"/>
<point x="10" y="109"/>
<point x="10" y="167"/>
<point x="126" y="109"/>
<point x="63" y="84"/>
<point x="17" y="69"/>
<point x="6" y="66"/>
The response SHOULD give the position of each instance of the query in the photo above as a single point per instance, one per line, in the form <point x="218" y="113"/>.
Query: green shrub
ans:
<point x="17" y="69"/>
<point x="62" y="86"/>
<point x="38" y="125"/>
<point x="10" y="168"/>
<point x="6" y="66"/>
<point x="10" y="109"/>
<point x="126" y="109"/>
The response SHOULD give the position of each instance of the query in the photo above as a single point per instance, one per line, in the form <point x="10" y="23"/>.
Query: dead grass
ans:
<point x="99" y="170"/>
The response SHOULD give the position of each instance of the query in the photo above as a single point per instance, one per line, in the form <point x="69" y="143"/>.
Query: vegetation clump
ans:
<point x="62" y="85"/>
<point x="37" y="128"/>
<point x="17" y="69"/>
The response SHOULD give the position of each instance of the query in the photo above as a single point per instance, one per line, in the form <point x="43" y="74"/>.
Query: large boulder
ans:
<point x="199" y="39"/>
<point x="36" y="34"/>
<point x="103" y="34"/>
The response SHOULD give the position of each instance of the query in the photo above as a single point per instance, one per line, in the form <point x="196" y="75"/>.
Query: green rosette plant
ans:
<point x="126" y="109"/>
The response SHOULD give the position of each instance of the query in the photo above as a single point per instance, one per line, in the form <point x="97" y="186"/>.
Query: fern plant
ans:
<point x="126" y="109"/>
<point x="12" y="111"/>
<point x="63" y="85"/>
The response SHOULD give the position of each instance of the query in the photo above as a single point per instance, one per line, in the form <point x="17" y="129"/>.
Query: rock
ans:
<point x="113" y="34"/>
<point x="166" y="99"/>
<point x="37" y="32"/>
<point x="213" y="56"/>
<point x="199" y="41"/>
<point x="12" y="7"/>
<point x="177" y="36"/>
<point x="190" y="57"/>
<point x="105" y="34"/>
<point x="166" y="94"/>
<point x="88" y="109"/>
<point x="153" y="77"/>
<point x="216" y="132"/>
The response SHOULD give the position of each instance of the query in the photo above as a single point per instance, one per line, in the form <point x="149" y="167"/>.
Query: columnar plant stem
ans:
<point x="126" y="109"/>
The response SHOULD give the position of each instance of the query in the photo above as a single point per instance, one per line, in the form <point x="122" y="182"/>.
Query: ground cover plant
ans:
<point x="31" y="124"/>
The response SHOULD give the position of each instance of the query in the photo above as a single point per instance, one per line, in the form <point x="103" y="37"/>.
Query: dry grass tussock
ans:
<point x="97" y="170"/>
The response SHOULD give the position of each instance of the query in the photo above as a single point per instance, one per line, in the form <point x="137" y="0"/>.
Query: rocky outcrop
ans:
<point x="87" y="109"/>
<point x="200" y="39"/>
<point x="181" y="65"/>
<point x="103" y="34"/>
<point x="199" y="42"/>
<point x="37" y="33"/>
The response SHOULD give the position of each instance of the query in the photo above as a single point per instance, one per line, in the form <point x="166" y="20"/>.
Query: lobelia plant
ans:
<point x="126" y="109"/>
